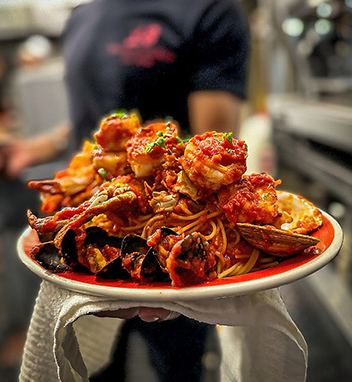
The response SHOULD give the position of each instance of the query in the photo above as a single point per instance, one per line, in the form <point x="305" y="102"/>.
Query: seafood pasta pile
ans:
<point x="142" y="204"/>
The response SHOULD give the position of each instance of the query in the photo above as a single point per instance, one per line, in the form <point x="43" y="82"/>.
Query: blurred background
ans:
<point x="297" y="123"/>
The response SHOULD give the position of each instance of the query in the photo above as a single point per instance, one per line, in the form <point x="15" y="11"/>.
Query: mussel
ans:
<point x="140" y="261"/>
<point x="190" y="261"/>
<point x="277" y="242"/>
<point x="114" y="270"/>
<point x="49" y="257"/>
<point x="94" y="239"/>
<point x="69" y="252"/>
<point x="162" y="242"/>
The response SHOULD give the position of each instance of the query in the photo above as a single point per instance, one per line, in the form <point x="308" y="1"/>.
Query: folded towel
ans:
<point x="258" y="339"/>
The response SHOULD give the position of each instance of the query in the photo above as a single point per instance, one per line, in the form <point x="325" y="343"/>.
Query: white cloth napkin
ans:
<point x="259" y="340"/>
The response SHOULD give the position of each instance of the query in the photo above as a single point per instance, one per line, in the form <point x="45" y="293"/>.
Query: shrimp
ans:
<point x="71" y="186"/>
<point x="98" y="161"/>
<point x="116" y="130"/>
<point x="252" y="199"/>
<point x="213" y="160"/>
<point x="149" y="148"/>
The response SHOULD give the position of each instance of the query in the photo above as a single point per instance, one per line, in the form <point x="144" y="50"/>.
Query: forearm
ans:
<point x="215" y="111"/>
<point x="23" y="153"/>
<point x="48" y="146"/>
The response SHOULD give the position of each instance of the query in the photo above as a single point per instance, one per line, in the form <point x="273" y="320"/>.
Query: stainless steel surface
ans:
<point x="313" y="138"/>
<point x="334" y="176"/>
<point x="325" y="120"/>
<point x="335" y="293"/>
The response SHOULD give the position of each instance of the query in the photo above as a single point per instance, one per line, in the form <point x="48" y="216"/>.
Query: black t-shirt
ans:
<point x="150" y="55"/>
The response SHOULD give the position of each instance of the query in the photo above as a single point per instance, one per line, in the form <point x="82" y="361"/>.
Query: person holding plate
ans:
<point x="185" y="59"/>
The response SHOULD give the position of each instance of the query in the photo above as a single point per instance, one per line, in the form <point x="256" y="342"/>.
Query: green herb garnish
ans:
<point x="228" y="137"/>
<point x="160" y="142"/>
<point x="246" y="147"/>
<point x="265" y="195"/>
<point x="102" y="172"/>
<point x="119" y="113"/>
<point x="180" y="140"/>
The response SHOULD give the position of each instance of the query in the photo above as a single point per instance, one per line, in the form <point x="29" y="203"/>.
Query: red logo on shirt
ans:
<point x="139" y="47"/>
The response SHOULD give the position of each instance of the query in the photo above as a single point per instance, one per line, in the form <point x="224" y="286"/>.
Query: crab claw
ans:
<point x="100" y="204"/>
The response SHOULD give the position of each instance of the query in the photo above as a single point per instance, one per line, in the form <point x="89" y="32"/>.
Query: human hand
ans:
<point x="146" y="314"/>
<point x="15" y="158"/>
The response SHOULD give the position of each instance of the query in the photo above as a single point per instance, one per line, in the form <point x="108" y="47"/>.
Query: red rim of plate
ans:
<point x="287" y="271"/>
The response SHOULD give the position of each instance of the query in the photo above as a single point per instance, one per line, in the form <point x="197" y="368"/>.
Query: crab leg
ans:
<point x="99" y="206"/>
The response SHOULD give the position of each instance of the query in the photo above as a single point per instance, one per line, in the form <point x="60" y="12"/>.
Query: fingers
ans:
<point x="156" y="314"/>
<point x="120" y="313"/>
<point x="145" y="314"/>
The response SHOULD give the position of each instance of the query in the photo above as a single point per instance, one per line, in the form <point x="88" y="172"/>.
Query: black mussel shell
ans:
<point x="134" y="244"/>
<point x="164" y="232"/>
<point x="99" y="237"/>
<point x="69" y="252"/>
<point x="193" y="245"/>
<point x="96" y="235"/>
<point x="151" y="270"/>
<point x="114" y="271"/>
<point x="185" y="260"/>
<point x="143" y="263"/>
<point x="48" y="257"/>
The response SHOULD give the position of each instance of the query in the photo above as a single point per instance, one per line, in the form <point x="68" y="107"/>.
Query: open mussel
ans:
<point x="162" y="241"/>
<point x="140" y="261"/>
<point x="49" y="257"/>
<point x="69" y="252"/>
<point x="277" y="242"/>
<point x="91" y="248"/>
<point x="114" y="270"/>
<point x="190" y="261"/>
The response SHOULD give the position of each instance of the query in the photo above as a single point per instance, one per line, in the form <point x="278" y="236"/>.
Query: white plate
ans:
<point x="286" y="272"/>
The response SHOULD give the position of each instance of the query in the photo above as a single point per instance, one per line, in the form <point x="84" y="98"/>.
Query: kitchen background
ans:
<point x="298" y="125"/>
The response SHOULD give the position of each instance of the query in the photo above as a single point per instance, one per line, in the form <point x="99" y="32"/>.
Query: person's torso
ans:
<point x="129" y="54"/>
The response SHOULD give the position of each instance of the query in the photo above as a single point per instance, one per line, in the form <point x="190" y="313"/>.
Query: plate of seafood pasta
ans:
<point x="142" y="214"/>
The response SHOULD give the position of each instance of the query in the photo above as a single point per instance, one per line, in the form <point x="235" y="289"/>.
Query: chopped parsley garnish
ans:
<point x="228" y="137"/>
<point x="160" y="142"/>
<point x="119" y="113"/>
<point x="180" y="140"/>
<point x="265" y="195"/>
<point x="246" y="147"/>
<point x="102" y="172"/>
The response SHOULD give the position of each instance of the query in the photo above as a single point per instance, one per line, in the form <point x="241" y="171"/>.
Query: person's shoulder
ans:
<point x="205" y="4"/>
<point x="212" y="13"/>
<point x="79" y="14"/>
<point x="223" y="14"/>
<point x="82" y="7"/>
